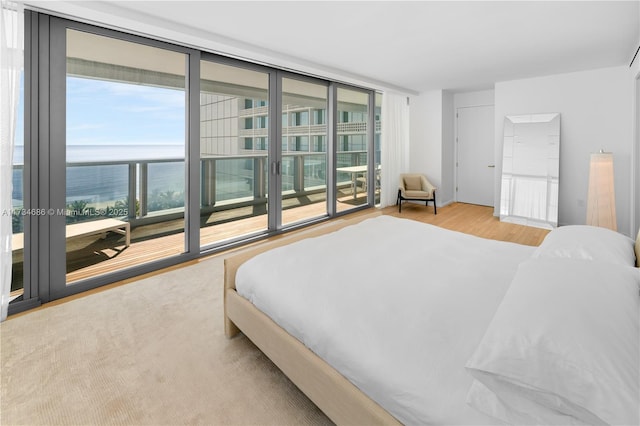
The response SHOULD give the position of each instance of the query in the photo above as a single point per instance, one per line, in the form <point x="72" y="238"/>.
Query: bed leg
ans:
<point x="230" y="329"/>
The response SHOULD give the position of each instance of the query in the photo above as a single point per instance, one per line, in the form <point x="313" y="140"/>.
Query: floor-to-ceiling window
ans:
<point x="146" y="154"/>
<point x="112" y="147"/>
<point x="125" y="150"/>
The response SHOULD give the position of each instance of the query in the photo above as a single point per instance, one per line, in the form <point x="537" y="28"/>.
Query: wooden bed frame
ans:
<point x="336" y="396"/>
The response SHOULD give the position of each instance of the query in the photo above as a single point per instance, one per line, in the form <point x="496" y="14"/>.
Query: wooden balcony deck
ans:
<point x="92" y="255"/>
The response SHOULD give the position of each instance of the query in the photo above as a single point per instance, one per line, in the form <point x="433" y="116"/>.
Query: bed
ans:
<point x="446" y="327"/>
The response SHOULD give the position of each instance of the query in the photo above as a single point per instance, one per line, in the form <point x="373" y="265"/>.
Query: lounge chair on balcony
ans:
<point x="95" y="227"/>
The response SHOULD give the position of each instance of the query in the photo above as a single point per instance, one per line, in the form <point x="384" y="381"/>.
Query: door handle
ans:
<point x="492" y="166"/>
<point x="275" y="168"/>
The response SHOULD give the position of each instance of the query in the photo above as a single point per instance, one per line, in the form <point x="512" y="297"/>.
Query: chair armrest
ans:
<point x="427" y="186"/>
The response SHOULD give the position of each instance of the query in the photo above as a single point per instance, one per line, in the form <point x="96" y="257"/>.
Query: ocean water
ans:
<point x="105" y="184"/>
<point x="87" y="153"/>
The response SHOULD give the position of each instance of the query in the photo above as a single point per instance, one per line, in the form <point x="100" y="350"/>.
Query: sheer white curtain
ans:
<point x="394" y="149"/>
<point x="11" y="62"/>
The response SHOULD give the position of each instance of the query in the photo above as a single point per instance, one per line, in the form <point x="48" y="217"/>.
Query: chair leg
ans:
<point x="435" y="210"/>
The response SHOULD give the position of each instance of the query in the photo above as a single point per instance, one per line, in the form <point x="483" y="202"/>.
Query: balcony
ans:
<point x="233" y="199"/>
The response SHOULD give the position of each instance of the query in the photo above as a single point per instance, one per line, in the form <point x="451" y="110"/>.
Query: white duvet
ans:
<point x="395" y="305"/>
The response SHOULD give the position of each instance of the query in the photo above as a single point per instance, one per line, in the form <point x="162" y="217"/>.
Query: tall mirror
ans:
<point x="530" y="170"/>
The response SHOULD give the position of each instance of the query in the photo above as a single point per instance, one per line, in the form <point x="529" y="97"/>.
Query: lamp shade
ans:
<point x="601" y="201"/>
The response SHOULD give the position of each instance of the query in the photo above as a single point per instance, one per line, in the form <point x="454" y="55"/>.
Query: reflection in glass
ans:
<point x="352" y="158"/>
<point x="530" y="170"/>
<point x="304" y="150"/>
<point x="234" y="141"/>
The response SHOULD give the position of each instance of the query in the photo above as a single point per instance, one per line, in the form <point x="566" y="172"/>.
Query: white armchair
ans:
<point x="416" y="187"/>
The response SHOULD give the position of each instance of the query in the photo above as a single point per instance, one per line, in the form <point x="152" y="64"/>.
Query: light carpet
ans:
<point x="150" y="352"/>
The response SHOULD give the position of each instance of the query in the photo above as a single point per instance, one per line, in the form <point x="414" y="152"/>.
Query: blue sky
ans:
<point x="108" y="113"/>
<point x="105" y="113"/>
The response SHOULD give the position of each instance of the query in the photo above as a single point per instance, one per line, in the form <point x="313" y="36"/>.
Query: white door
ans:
<point x="475" y="155"/>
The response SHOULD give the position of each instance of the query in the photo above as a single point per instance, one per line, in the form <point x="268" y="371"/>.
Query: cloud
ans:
<point x="100" y="111"/>
<point x="156" y="97"/>
<point x="85" y="126"/>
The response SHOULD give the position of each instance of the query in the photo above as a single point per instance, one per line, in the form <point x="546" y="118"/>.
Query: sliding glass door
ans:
<point x="125" y="153"/>
<point x="303" y="150"/>
<point x="234" y="146"/>
<point x="117" y="147"/>
<point x="252" y="182"/>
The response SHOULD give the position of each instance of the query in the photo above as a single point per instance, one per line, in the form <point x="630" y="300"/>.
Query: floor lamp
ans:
<point x="601" y="201"/>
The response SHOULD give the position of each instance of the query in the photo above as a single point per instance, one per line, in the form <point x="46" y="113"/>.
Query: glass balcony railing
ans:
<point x="147" y="191"/>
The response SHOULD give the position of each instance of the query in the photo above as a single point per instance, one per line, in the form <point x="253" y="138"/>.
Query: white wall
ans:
<point x="595" y="113"/>
<point x="425" y="150"/>
<point x="446" y="193"/>
<point x="433" y="127"/>
<point x="472" y="99"/>
<point x="432" y="147"/>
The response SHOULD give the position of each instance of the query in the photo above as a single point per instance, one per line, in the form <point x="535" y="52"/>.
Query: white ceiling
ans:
<point x="414" y="45"/>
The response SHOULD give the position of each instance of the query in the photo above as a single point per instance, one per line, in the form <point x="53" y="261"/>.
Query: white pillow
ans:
<point x="563" y="344"/>
<point x="515" y="409"/>
<point x="589" y="243"/>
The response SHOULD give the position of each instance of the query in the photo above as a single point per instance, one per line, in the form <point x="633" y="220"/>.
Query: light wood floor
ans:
<point x="107" y="256"/>
<point x="471" y="219"/>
